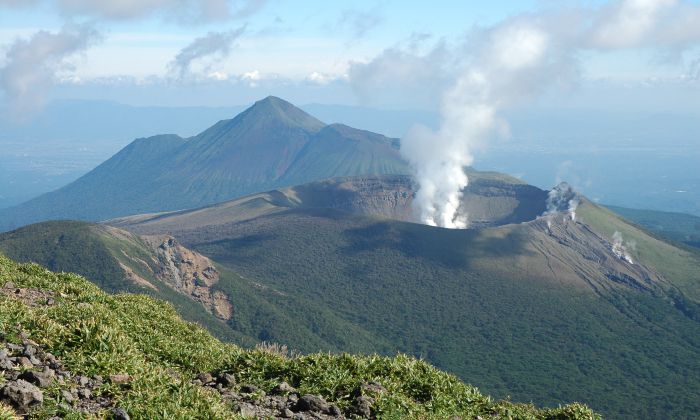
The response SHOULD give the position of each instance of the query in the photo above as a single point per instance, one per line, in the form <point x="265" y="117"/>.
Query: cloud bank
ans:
<point x="33" y="64"/>
<point x="186" y="11"/>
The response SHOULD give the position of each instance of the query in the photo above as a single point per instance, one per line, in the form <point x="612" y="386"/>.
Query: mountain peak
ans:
<point x="273" y="107"/>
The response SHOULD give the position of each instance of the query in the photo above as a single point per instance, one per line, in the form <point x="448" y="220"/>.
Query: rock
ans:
<point x="283" y="389"/>
<point x="249" y="389"/>
<point x="375" y="387"/>
<point x="9" y="285"/>
<point x="22" y="395"/>
<point x="29" y="350"/>
<point x="119" y="413"/>
<point x="310" y="402"/>
<point x="26" y="341"/>
<point x="83" y="380"/>
<point x="372" y="387"/>
<point x="363" y="406"/>
<point x="67" y="396"/>
<point x="247" y="410"/>
<point x="14" y="347"/>
<point x="3" y="354"/>
<point x="41" y="379"/>
<point x="6" y="364"/>
<point x="205" y="378"/>
<point x="286" y="413"/>
<point x="120" y="379"/>
<point x="50" y="358"/>
<point x="334" y="410"/>
<point x="227" y="379"/>
<point x="84" y="393"/>
<point x="25" y="362"/>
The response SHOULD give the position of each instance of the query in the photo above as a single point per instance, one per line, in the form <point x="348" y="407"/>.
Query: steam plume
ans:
<point x="562" y="199"/>
<point x="509" y="54"/>
<point x="510" y="62"/>
<point x="619" y="248"/>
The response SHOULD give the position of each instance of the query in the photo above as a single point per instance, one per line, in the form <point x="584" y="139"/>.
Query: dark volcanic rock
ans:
<point x="310" y="402"/>
<point x="120" y="414"/>
<point x="283" y="388"/>
<point x="41" y="379"/>
<point x="362" y="406"/>
<point x="205" y="378"/>
<point x="22" y="395"/>
<point x="249" y="389"/>
<point x="227" y="379"/>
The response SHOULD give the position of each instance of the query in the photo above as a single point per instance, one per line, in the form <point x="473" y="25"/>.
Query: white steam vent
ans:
<point x="619" y="248"/>
<point x="562" y="199"/>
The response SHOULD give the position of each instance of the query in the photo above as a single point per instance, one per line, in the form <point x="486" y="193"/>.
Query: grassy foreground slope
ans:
<point x="92" y="332"/>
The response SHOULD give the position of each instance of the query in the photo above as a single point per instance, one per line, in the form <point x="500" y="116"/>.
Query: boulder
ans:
<point x="283" y="388"/>
<point x="41" y="379"/>
<point x="119" y="413"/>
<point x="310" y="402"/>
<point x="22" y="395"/>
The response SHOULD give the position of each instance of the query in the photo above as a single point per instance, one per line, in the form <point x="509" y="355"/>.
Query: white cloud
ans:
<point x="645" y="23"/>
<point x="320" y="78"/>
<point x="252" y="78"/>
<point x="406" y="70"/>
<point x="214" y="45"/>
<point x="33" y="65"/>
<point x="186" y="11"/>
<point x="218" y="76"/>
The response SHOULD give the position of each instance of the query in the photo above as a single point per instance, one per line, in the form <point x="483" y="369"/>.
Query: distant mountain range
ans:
<point x="269" y="145"/>
<point x="543" y="309"/>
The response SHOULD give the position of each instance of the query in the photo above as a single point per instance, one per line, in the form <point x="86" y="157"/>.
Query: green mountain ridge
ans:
<point x="269" y="145"/>
<point x="540" y="309"/>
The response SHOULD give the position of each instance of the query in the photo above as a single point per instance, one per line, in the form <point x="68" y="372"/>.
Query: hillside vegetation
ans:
<point x="144" y="360"/>
<point x="538" y="313"/>
<point x="547" y="310"/>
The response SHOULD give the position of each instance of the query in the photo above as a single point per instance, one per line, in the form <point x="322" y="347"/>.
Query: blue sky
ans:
<point x="304" y="50"/>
